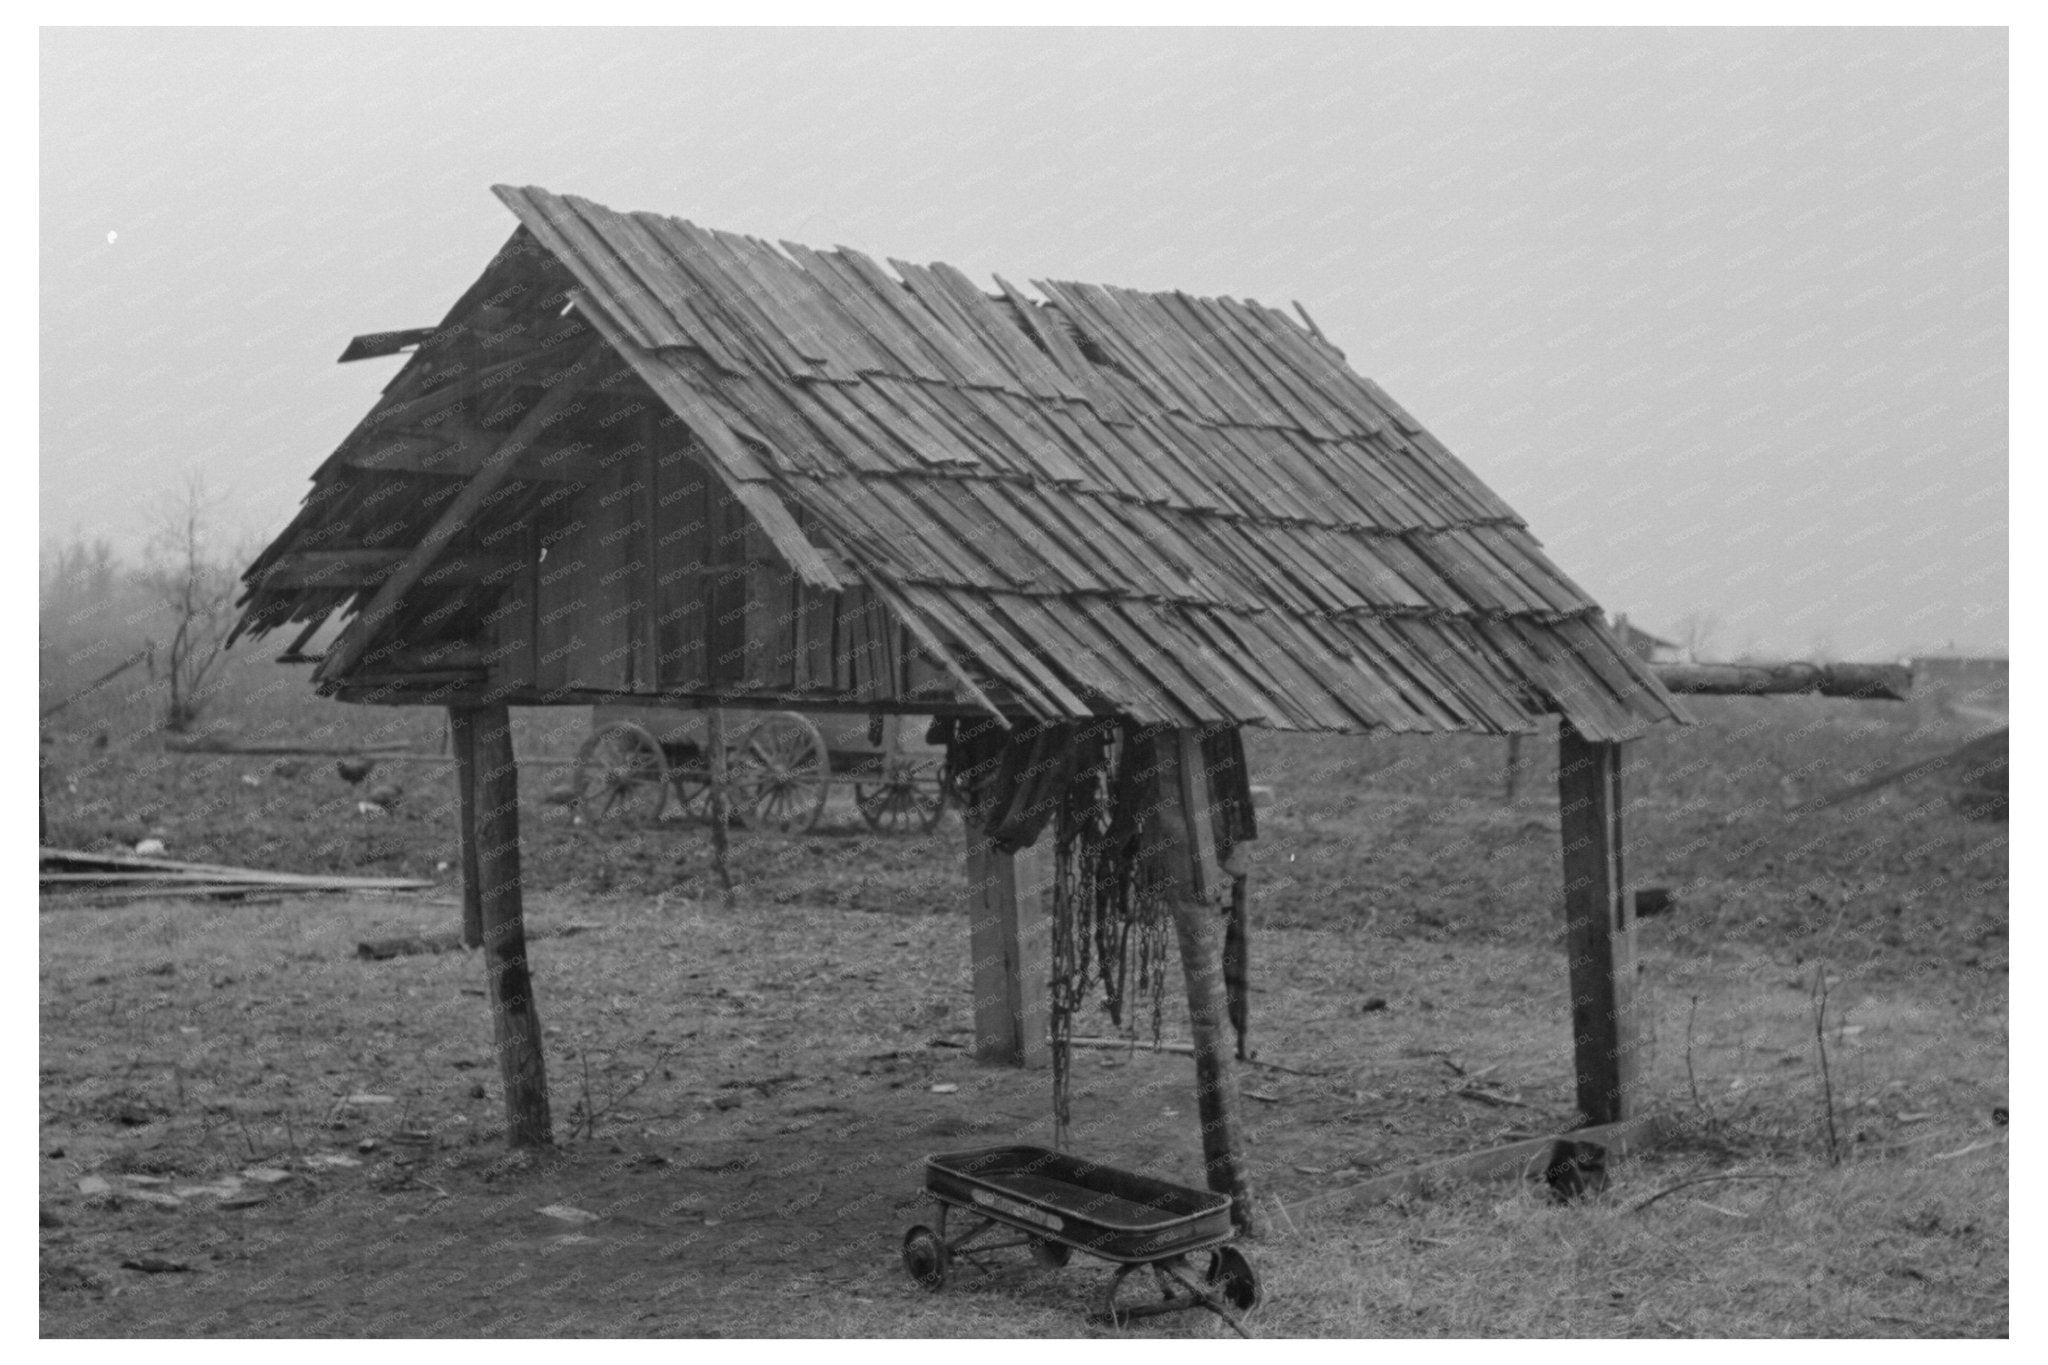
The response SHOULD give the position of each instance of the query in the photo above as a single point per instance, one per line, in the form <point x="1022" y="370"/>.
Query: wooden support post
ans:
<point x="516" y="1023"/>
<point x="721" y="796"/>
<point x="462" y="734"/>
<point x="1009" y="925"/>
<point x="1600" y="928"/>
<point x="1181" y="850"/>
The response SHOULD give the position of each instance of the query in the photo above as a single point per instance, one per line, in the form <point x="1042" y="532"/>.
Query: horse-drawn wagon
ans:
<point x="642" y="762"/>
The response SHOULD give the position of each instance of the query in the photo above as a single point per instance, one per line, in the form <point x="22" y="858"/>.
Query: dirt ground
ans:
<point x="248" y="1130"/>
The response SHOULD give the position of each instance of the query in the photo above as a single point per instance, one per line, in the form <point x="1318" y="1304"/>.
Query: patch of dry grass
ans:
<point x="1881" y="1248"/>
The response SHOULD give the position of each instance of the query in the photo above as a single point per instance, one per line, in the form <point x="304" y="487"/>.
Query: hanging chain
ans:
<point x="1107" y="931"/>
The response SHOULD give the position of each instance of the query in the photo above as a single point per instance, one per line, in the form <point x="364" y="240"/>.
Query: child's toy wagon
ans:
<point x="1056" y="1204"/>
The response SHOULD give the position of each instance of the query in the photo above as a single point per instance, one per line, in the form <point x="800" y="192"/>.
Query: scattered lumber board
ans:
<point x="117" y="895"/>
<point x="1868" y="682"/>
<point x="60" y="869"/>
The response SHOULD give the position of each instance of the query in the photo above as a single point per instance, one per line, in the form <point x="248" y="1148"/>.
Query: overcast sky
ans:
<point x="1723" y="314"/>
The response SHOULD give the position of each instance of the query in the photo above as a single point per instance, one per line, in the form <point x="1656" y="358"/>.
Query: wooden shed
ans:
<point x="639" y="459"/>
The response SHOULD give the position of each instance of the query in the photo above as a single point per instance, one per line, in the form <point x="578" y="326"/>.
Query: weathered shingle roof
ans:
<point x="1181" y="509"/>
<point x="1186" y="508"/>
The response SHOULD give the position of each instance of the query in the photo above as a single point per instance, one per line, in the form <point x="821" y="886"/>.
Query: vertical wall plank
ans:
<point x="559" y="601"/>
<point x="639" y="632"/>
<point x="606" y="553"/>
<point x="875" y="669"/>
<point x="682" y="538"/>
<point x="725" y="588"/>
<point x="818" y="610"/>
<point x="770" y="615"/>
<point x="1607" y="1037"/>
<point x="509" y="625"/>
<point x="849" y="619"/>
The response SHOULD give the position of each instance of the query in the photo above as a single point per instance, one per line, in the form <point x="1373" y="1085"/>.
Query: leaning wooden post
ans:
<point x="1009" y="932"/>
<point x="1600" y="928"/>
<point x="462" y="733"/>
<point x="1180" y="853"/>
<point x="516" y="1023"/>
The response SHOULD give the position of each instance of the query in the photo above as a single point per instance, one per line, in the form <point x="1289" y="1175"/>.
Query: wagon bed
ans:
<point x="1117" y="1215"/>
<point x="1058" y="1204"/>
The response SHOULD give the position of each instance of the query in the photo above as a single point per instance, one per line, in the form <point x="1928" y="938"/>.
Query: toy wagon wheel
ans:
<point x="910" y="794"/>
<point x="926" y="1257"/>
<point x="620" y="774"/>
<point x="1051" y="1255"/>
<point x="783" y="774"/>
<point x="1109" y="1312"/>
<point x="1231" y="1275"/>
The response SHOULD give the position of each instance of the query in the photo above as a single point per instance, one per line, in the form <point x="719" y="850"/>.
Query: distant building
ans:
<point x="1645" y="646"/>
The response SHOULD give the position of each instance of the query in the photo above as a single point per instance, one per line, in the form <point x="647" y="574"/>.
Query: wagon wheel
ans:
<point x="926" y="1257"/>
<point x="691" y="787"/>
<point x="1052" y="1255"/>
<point x="782" y="774"/>
<point x="1107" y="1309"/>
<point x="690" y="777"/>
<point x="909" y="794"/>
<point x="1231" y="1275"/>
<point x="620" y="774"/>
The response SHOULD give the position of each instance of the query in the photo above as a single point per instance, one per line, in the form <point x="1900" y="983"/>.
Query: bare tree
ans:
<point x="196" y="585"/>
<point x="1696" y="630"/>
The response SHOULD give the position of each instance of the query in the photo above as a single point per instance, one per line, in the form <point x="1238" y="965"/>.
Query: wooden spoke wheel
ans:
<point x="691" y="780"/>
<point x="782" y="774"/>
<point x="909" y="796"/>
<point x="620" y="775"/>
